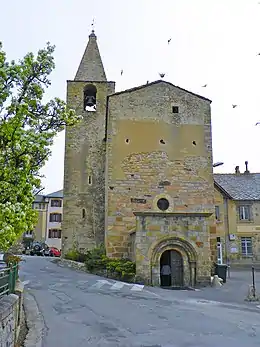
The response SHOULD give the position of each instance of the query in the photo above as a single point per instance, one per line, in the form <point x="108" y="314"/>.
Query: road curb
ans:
<point x="34" y="321"/>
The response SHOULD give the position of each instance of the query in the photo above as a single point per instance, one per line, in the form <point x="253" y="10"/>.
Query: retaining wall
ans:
<point x="11" y="317"/>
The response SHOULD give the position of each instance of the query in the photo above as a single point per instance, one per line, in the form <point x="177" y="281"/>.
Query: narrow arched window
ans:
<point x="90" y="98"/>
<point x="83" y="213"/>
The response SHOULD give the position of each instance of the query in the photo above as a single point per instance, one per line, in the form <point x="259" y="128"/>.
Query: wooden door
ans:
<point x="176" y="269"/>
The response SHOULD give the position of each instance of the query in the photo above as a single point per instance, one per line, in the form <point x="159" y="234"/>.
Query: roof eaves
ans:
<point x="223" y="190"/>
<point x="156" y="82"/>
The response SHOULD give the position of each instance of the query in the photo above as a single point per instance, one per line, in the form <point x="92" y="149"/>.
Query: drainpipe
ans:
<point x="226" y="224"/>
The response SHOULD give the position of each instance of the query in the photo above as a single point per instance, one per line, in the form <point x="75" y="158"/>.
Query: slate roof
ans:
<point x="58" y="194"/>
<point x="240" y="187"/>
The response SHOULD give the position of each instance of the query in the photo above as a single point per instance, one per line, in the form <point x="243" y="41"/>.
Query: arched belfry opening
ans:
<point x="90" y="98"/>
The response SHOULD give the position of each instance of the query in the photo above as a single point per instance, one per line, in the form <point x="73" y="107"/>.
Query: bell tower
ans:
<point x="83" y="223"/>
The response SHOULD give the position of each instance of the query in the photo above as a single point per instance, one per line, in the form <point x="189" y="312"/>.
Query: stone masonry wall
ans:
<point x="153" y="230"/>
<point x="11" y="316"/>
<point x="154" y="153"/>
<point x="8" y="317"/>
<point x="84" y="171"/>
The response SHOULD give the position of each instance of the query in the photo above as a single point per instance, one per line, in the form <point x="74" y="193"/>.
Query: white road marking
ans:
<point x="137" y="287"/>
<point x="100" y="283"/>
<point x="117" y="285"/>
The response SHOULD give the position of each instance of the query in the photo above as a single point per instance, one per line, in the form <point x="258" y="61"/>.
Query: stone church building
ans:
<point x="138" y="174"/>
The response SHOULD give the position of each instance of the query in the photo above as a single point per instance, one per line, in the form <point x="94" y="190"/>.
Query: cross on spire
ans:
<point x="93" y="25"/>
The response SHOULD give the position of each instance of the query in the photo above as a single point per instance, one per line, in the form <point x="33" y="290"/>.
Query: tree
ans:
<point x="27" y="129"/>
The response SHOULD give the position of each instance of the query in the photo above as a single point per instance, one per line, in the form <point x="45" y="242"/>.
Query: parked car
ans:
<point x="55" y="252"/>
<point x="2" y="263"/>
<point x="46" y="251"/>
<point x="39" y="248"/>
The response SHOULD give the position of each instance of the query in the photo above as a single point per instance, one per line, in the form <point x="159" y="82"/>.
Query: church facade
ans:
<point x="138" y="174"/>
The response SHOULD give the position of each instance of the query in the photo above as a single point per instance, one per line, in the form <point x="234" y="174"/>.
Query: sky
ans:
<point x="213" y="42"/>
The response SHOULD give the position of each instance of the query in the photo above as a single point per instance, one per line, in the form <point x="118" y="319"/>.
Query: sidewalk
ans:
<point x="234" y="290"/>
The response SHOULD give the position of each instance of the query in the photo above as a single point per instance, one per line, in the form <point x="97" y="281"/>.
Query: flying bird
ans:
<point x="162" y="75"/>
<point x="258" y="53"/>
<point x="205" y="85"/>
<point x="257" y="123"/>
<point x="234" y="106"/>
<point x="122" y="72"/>
<point x="169" y="41"/>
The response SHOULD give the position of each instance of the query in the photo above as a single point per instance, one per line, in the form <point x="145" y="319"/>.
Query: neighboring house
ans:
<point x="241" y="235"/>
<point x="39" y="233"/>
<point x="54" y="219"/>
<point x="48" y="228"/>
<point x="224" y="226"/>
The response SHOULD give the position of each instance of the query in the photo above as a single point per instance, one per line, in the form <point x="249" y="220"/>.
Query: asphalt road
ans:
<point x="85" y="310"/>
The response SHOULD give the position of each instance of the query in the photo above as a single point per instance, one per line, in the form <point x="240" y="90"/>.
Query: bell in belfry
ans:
<point x="90" y="101"/>
<point x="90" y="97"/>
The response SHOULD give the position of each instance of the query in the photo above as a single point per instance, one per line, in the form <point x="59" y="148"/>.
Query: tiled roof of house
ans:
<point x="58" y="194"/>
<point x="240" y="187"/>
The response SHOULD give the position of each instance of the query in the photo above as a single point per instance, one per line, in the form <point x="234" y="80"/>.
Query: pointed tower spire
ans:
<point x="91" y="67"/>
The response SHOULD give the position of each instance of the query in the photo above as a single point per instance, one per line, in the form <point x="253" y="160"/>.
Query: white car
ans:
<point x="2" y="263"/>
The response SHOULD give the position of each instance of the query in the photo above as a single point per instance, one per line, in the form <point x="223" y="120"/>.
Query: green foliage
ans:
<point x="12" y="259"/>
<point x="27" y="129"/>
<point x="71" y="255"/>
<point x="74" y="255"/>
<point x="96" y="259"/>
<point x="97" y="262"/>
<point x="123" y="268"/>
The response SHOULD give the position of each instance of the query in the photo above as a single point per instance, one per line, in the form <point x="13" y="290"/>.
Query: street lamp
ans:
<point x="219" y="163"/>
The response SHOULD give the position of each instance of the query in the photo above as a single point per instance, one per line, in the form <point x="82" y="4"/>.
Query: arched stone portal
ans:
<point x="182" y="258"/>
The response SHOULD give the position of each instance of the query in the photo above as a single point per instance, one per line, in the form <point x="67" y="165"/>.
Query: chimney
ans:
<point x="237" y="170"/>
<point x="247" y="171"/>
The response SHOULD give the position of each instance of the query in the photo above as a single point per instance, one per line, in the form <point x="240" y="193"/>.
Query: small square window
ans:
<point x="56" y="203"/>
<point x="175" y="109"/>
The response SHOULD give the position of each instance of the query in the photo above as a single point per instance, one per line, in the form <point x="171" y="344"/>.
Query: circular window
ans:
<point x="163" y="204"/>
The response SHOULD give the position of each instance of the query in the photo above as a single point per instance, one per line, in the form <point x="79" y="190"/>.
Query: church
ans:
<point x="138" y="174"/>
